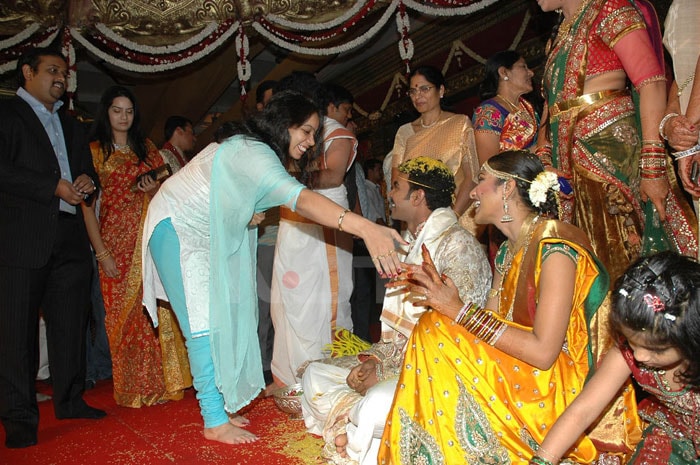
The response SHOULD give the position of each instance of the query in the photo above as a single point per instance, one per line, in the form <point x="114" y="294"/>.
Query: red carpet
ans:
<point x="169" y="433"/>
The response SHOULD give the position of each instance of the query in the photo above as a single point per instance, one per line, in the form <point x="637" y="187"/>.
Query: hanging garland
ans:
<point x="327" y="34"/>
<point x="119" y="51"/>
<point x="400" y="81"/>
<point x="447" y="8"/>
<point x="69" y="52"/>
<point x="244" y="68"/>
<point x="13" y="47"/>
<point x="459" y="47"/>
<point x="261" y="27"/>
<point x="405" y="43"/>
<point x="284" y="22"/>
<point x="202" y="36"/>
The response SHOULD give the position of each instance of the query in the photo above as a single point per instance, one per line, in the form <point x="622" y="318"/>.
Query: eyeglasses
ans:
<point x="422" y="90"/>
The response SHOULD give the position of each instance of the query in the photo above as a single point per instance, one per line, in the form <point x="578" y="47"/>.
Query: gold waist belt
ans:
<point x="289" y="215"/>
<point x="588" y="99"/>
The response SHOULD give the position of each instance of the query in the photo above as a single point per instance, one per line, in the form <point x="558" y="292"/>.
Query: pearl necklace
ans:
<point x="120" y="147"/>
<point x="426" y="126"/>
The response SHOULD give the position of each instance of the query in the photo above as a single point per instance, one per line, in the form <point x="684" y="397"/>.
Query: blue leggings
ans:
<point x="165" y="250"/>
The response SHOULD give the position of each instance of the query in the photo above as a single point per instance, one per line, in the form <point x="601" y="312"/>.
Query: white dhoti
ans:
<point x="311" y="288"/>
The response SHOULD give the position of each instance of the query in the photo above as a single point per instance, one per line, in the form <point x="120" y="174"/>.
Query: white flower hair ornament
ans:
<point x="543" y="182"/>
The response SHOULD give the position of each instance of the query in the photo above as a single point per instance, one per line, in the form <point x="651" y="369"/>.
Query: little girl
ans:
<point x="656" y="320"/>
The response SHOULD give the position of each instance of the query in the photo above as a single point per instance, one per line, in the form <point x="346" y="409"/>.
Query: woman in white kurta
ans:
<point x="199" y="251"/>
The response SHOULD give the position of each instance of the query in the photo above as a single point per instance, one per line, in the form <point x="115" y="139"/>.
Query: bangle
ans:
<point x="651" y="163"/>
<point x="103" y="255"/>
<point x="465" y="313"/>
<point x="537" y="460"/>
<point x="653" y="143"/>
<point x="663" y="122"/>
<point x="686" y="153"/>
<point x="541" y="453"/>
<point x="484" y="325"/>
<point x="340" y="220"/>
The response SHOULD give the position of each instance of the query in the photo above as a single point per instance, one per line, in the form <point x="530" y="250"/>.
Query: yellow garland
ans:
<point x="424" y="165"/>
<point x="345" y="343"/>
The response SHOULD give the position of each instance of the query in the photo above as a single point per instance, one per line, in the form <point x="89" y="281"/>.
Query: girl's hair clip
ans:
<point x="654" y="303"/>
<point x="623" y="292"/>
<point x="670" y="317"/>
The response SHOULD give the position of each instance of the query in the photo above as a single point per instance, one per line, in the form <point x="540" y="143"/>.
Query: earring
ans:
<point x="505" y="78"/>
<point x="506" y="218"/>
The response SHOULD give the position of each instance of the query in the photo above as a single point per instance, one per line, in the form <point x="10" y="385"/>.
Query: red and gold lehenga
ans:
<point x="596" y="137"/>
<point x="143" y="372"/>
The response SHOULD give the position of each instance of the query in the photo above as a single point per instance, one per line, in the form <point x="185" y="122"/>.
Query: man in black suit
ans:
<point x="46" y="171"/>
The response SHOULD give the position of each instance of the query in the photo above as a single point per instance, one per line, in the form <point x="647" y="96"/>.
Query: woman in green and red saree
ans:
<point x="602" y="140"/>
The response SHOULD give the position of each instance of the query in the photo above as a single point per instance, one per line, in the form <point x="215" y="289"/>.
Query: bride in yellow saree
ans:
<point x="484" y="386"/>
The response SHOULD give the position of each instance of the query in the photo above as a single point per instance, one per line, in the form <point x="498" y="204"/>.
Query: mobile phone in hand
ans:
<point x="695" y="172"/>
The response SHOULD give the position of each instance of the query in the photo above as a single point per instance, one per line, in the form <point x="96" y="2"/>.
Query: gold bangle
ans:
<point x="340" y="220"/>
<point x="103" y="255"/>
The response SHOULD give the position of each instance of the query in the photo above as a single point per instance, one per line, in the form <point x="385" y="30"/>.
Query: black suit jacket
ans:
<point x="29" y="174"/>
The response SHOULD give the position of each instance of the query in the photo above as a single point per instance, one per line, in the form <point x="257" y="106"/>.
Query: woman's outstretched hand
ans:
<point x="438" y="291"/>
<point x="381" y="244"/>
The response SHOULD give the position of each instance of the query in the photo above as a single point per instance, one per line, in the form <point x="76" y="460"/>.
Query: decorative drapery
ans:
<point x="152" y="37"/>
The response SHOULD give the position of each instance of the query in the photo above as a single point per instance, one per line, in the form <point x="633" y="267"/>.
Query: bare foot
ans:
<point x="229" y="434"/>
<point x="238" y="420"/>
<point x="341" y="442"/>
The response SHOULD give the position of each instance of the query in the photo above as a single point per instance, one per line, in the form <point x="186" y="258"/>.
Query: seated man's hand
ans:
<point x="363" y="376"/>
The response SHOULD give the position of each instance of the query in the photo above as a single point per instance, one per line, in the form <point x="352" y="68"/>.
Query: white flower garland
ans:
<point x="242" y="50"/>
<point x="24" y="36"/>
<point x="282" y="21"/>
<point x="329" y="50"/>
<point x="69" y="52"/>
<point x="405" y="43"/>
<point x="19" y="37"/>
<point x="146" y="68"/>
<point x="459" y="11"/>
<point x="543" y="182"/>
<point x="167" y="49"/>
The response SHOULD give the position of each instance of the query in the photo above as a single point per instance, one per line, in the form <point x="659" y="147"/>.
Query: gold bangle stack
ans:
<point x="102" y="256"/>
<point x="653" y="159"/>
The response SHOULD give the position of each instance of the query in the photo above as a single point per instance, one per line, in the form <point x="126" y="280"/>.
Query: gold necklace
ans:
<point x="512" y="105"/>
<point x="522" y="242"/>
<point x="565" y="26"/>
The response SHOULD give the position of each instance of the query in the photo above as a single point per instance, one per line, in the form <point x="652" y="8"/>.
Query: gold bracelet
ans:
<point x="340" y="220"/>
<point x="103" y="255"/>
